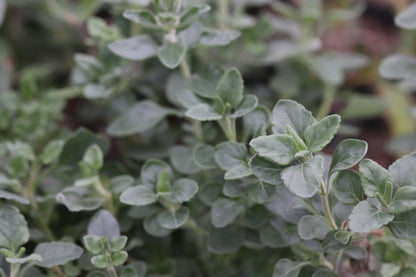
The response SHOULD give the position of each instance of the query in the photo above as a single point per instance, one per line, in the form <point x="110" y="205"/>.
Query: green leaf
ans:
<point x="265" y="170"/>
<point x="319" y="134"/>
<point x="52" y="151"/>
<point x="192" y="14"/>
<point x="389" y="270"/>
<point x="404" y="225"/>
<point x="288" y="268"/>
<point x="304" y="179"/>
<point x="282" y="235"/>
<point x="324" y="273"/>
<point x="93" y="244"/>
<point x="403" y="170"/>
<point x="374" y="177"/>
<point x="238" y="172"/>
<point x="204" y="157"/>
<point x="103" y="224"/>
<point x="78" y="199"/>
<point x="163" y="183"/>
<point x="173" y="219"/>
<point x="225" y="240"/>
<point x="347" y="154"/>
<point x="28" y="259"/>
<point x="138" y="196"/>
<point x="99" y="29"/>
<point x="347" y="187"/>
<point x="247" y="105"/>
<point x="312" y="227"/>
<point x="15" y="197"/>
<point x="150" y="115"/>
<point x="288" y="112"/>
<point x="213" y="37"/>
<point x="117" y="244"/>
<point x="398" y="66"/>
<point x="183" y="190"/>
<point x="365" y="217"/>
<point x="135" y="48"/>
<point x="343" y="237"/>
<point x="152" y="227"/>
<point x="180" y="159"/>
<point x="327" y="70"/>
<point x="205" y="83"/>
<point x="230" y="154"/>
<point x="144" y="17"/>
<point x="171" y="53"/>
<point x="152" y="169"/>
<point x="119" y="258"/>
<point x="13" y="228"/>
<point x="356" y="252"/>
<point x="57" y="253"/>
<point x="100" y="261"/>
<point x="231" y="87"/>
<point x="280" y="149"/>
<point x="93" y="158"/>
<point x="203" y="112"/>
<point x="256" y="216"/>
<point x="407" y="18"/>
<point x="224" y="212"/>
<point x="403" y="200"/>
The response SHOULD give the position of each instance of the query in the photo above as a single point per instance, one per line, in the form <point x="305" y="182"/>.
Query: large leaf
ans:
<point x="224" y="211"/>
<point x="139" y="118"/>
<point x="319" y="134"/>
<point x="312" y="226"/>
<point x="203" y="112"/>
<point x="143" y="17"/>
<point x="347" y="187"/>
<point x="304" y="179"/>
<point x="225" y="240"/>
<point x="288" y="268"/>
<point x="152" y="169"/>
<point x="265" y="170"/>
<point x="230" y="154"/>
<point x="403" y="200"/>
<point x="347" y="154"/>
<point x="212" y="37"/>
<point x="57" y="253"/>
<point x="365" y="217"/>
<point x="289" y="113"/>
<point x="280" y="149"/>
<point x="13" y="228"/>
<point x="181" y="161"/>
<point x="173" y="219"/>
<point x="374" y="177"/>
<point x="182" y="190"/>
<point x="171" y="53"/>
<point x="231" y="87"/>
<point x="403" y="170"/>
<point x="135" y="48"/>
<point x="138" y="196"/>
<point x="407" y="18"/>
<point x="398" y="66"/>
<point x="104" y="224"/>
<point x="404" y="225"/>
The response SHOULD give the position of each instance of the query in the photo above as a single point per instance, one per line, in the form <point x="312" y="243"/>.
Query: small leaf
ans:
<point x="103" y="224"/>
<point x="192" y="14"/>
<point x="231" y="87"/>
<point x="398" y="66"/>
<point x="119" y="257"/>
<point x="173" y="219"/>
<point x="265" y="170"/>
<point x="319" y="134"/>
<point x="407" y="18"/>
<point x="288" y="268"/>
<point x="180" y="159"/>
<point x="100" y="261"/>
<point x="280" y="149"/>
<point x="15" y="197"/>
<point x="238" y="172"/>
<point x="144" y="17"/>
<point x="93" y="158"/>
<point x="247" y="105"/>
<point x="365" y="218"/>
<point x="203" y="112"/>
<point x="183" y="190"/>
<point x="347" y="154"/>
<point x="213" y="37"/>
<point x="57" y="253"/>
<point x="13" y="228"/>
<point x="347" y="187"/>
<point x="327" y="70"/>
<point x="224" y="211"/>
<point x="118" y="244"/>
<point x="52" y="151"/>
<point x="288" y="112"/>
<point x="403" y="170"/>
<point x="304" y="179"/>
<point x="225" y="240"/>
<point x="93" y="244"/>
<point x="138" y="196"/>
<point x="78" y="199"/>
<point x="152" y="169"/>
<point x="230" y="154"/>
<point x="374" y="177"/>
<point x="171" y="53"/>
<point x="153" y="227"/>
<point x="150" y="115"/>
<point x="403" y="200"/>
<point x="205" y="83"/>
<point x="312" y="227"/>
<point x="204" y="157"/>
<point x="163" y="183"/>
<point x="28" y="259"/>
<point x="135" y="48"/>
<point x="356" y="252"/>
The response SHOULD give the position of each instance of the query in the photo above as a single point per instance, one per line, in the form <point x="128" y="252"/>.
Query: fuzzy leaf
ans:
<point x="365" y="217"/>
<point x="203" y="112"/>
<point x="347" y="187"/>
<point x="152" y="169"/>
<point x="181" y="161"/>
<point x="374" y="177"/>
<point x="265" y="170"/>
<point x="212" y="37"/>
<point x="52" y="151"/>
<point x="231" y="87"/>
<point x="13" y="228"/>
<point x="173" y="219"/>
<point x="403" y="225"/>
<point x="280" y="149"/>
<point x="398" y="66"/>
<point x="312" y="226"/>
<point x="403" y="170"/>
<point x="103" y="224"/>
<point x="171" y="54"/>
<point x="224" y="211"/>
<point x="403" y="200"/>
<point x="28" y="259"/>
<point x="288" y="268"/>
<point x="135" y="48"/>
<point x="230" y="154"/>
<point x="247" y="105"/>
<point x="57" y="253"/>
<point x="204" y="157"/>
<point x="183" y="190"/>
<point x="143" y="17"/>
<point x="347" y="154"/>
<point x="225" y="240"/>
<point x="138" y="196"/>
<point x="407" y="18"/>
<point x="319" y="134"/>
<point x="238" y="172"/>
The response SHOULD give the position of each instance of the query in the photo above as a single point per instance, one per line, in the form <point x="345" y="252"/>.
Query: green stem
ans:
<point x="337" y="260"/>
<point x="32" y="184"/>
<point x="112" y="271"/>
<point x="326" y="207"/>
<point x="228" y="126"/>
<point x="223" y="13"/>
<point x="107" y="195"/>
<point x="14" y="270"/>
<point x="185" y="69"/>
<point x="325" y="108"/>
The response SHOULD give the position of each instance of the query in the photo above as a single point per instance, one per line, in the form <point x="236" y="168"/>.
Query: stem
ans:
<point x="186" y="71"/>
<point x="325" y="108"/>
<point x="228" y="126"/>
<point x="223" y="13"/>
<point x="112" y="271"/>
<point x="107" y="195"/>
<point x="58" y="271"/>
<point x="32" y="184"/>
<point x="326" y="207"/>
<point x="14" y="270"/>
<point x="337" y="260"/>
